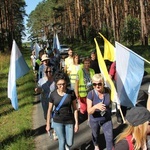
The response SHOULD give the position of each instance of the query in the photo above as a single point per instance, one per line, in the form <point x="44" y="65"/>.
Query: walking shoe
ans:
<point x="66" y="147"/>
<point x="55" y="137"/>
<point x="96" y="148"/>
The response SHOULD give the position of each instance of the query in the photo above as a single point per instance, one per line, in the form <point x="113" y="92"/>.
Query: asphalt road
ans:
<point x="82" y="139"/>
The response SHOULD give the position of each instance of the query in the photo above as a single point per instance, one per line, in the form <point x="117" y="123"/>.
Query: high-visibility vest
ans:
<point x="73" y="73"/>
<point x="82" y="86"/>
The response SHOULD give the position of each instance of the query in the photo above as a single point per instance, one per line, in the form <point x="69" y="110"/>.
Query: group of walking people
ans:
<point x="75" y="82"/>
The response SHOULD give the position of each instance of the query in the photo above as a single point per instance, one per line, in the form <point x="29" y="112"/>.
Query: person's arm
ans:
<point x="31" y="61"/>
<point x="38" y="90"/>
<point x="148" y="100"/>
<point x="76" y="88"/>
<point x="76" y="127"/>
<point x="49" y="112"/>
<point x="65" y="67"/>
<point x="91" y="109"/>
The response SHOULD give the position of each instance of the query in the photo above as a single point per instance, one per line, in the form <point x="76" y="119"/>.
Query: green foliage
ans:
<point x="91" y="34"/>
<point x="16" y="126"/>
<point x="131" y="30"/>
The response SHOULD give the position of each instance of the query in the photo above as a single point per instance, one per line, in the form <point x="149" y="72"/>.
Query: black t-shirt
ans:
<point x="94" y="65"/>
<point x="121" y="145"/>
<point x="65" y="113"/>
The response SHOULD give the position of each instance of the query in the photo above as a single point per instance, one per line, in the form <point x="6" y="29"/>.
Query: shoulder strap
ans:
<point x="61" y="102"/>
<point x="129" y="140"/>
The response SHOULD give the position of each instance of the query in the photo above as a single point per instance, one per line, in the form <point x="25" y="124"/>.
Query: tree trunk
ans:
<point x="144" y="35"/>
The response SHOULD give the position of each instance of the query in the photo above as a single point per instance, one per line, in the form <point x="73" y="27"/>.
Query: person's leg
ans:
<point x="95" y="127"/>
<point x="60" y="131"/>
<point x="108" y="133"/>
<point x="45" y="108"/>
<point x="69" y="129"/>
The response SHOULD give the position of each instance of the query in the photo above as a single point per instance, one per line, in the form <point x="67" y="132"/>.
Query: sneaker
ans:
<point x="66" y="147"/>
<point x="55" y="137"/>
<point x="96" y="148"/>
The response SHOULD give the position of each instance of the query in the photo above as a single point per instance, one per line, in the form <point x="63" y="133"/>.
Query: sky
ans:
<point x="31" y="5"/>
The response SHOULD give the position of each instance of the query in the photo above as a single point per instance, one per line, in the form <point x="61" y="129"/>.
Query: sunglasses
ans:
<point x="99" y="84"/>
<point x="47" y="71"/>
<point x="62" y="84"/>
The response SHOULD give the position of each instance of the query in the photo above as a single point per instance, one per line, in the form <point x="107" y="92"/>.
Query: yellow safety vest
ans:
<point x="73" y="73"/>
<point x="82" y="86"/>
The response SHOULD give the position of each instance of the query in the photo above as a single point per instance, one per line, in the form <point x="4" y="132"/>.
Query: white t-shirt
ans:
<point x="33" y="57"/>
<point x="149" y="89"/>
<point x="47" y="87"/>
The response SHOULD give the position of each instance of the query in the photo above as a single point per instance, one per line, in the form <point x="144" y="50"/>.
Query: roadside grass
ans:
<point x="16" y="125"/>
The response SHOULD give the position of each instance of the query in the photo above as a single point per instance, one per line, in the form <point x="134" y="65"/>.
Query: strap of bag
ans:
<point x="86" y="76"/>
<point x="61" y="102"/>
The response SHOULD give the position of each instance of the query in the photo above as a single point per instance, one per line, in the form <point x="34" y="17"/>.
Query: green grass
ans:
<point x="16" y="126"/>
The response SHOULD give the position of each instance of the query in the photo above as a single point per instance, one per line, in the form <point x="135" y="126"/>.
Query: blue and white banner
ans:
<point x="56" y="43"/>
<point x="18" y="68"/>
<point x="130" y="70"/>
<point x="37" y="49"/>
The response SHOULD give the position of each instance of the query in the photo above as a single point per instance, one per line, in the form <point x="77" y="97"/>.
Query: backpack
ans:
<point x="129" y="140"/>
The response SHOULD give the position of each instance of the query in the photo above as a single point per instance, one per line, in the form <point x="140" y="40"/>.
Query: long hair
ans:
<point x="138" y="135"/>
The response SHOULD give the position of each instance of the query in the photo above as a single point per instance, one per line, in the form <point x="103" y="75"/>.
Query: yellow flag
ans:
<point x="104" y="71"/>
<point x="109" y="50"/>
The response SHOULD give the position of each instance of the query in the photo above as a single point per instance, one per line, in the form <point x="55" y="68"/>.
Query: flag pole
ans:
<point x="133" y="52"/>
<point x="118" y="106"/>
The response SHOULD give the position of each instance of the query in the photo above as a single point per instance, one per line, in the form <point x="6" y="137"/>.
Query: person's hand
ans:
<point x="37" y="90"/>
<point x="48" y="128"/>
<point x="76" y="128"/>
<point x="101" y="106"/>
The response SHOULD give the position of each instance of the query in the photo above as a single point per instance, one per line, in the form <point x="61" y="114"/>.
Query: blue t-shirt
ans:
<point x="96" y="116"/>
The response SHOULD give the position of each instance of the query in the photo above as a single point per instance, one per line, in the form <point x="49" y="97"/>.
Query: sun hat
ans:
<point x="44" y="57"/>
<point x="137" y="115"/>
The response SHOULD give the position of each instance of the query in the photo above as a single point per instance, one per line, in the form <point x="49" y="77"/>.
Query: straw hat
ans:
<point x="44" y="57"/>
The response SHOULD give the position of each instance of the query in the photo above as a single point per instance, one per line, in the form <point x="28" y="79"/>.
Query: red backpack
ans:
<point x="129" y="140"/>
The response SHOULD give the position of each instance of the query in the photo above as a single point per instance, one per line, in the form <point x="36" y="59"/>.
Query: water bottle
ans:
<point x="50" y="134"/>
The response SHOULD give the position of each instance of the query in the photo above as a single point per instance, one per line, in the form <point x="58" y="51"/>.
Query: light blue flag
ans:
<point x="18" y="68"/>
<point x="37" y="49"/>
<point x="130" y="70"/>
<point x="56" y="43"/>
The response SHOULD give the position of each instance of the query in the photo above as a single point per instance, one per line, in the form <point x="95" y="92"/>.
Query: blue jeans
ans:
<point x="107" y="130"/>
<point x="65" y="133"/>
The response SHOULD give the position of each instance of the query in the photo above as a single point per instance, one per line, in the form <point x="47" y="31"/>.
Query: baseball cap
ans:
<point x="137" y="115"/>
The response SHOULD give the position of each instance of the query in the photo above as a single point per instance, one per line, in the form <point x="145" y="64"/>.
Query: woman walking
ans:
<point x="65" y="116"/>
<point x="98" y="107"/>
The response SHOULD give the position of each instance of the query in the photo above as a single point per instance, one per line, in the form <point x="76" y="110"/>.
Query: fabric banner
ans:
<point x="56" y="43"/>
<point x="109" y="50"/>
<point x="130" y="70"/>
<point x="104" y="72"/>
<point x="37" y="49"/>
<point x="18" y="68"/>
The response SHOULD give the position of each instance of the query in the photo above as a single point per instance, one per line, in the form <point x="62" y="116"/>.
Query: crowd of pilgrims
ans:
<point x="70" y="86"/>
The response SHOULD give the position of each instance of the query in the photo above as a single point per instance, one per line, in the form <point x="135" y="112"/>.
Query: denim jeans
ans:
<point x="65" y="133"/>
<point x="107" y="130"/>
